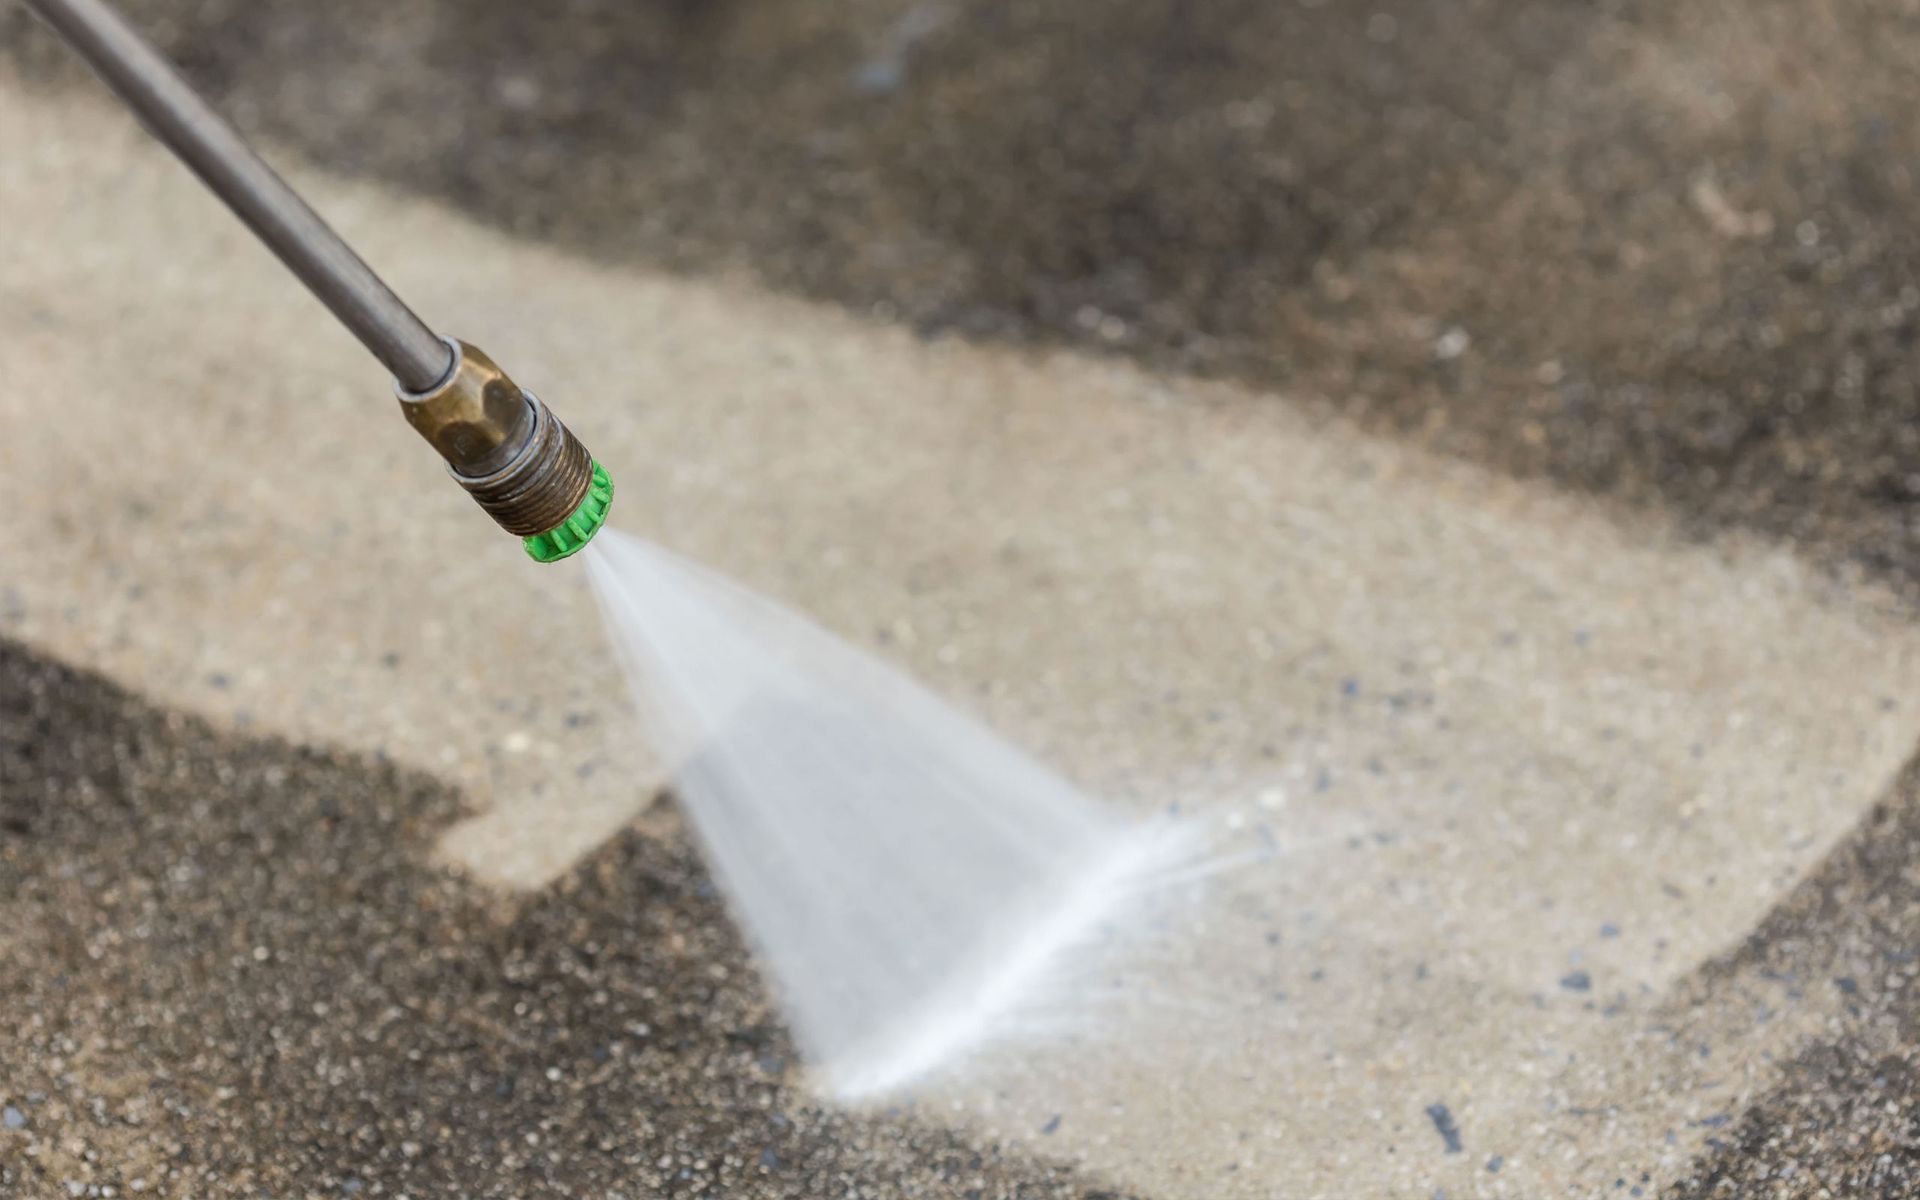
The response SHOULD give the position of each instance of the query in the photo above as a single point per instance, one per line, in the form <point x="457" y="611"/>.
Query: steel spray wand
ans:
<point x="502" y="444"/>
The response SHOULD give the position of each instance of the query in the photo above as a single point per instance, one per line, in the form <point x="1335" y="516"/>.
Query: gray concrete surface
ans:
<point x="1531" y="764"/>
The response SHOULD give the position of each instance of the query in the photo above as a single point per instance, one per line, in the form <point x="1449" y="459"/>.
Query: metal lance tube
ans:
<point x="176" y="114"/>
<point x="515" y="457"/>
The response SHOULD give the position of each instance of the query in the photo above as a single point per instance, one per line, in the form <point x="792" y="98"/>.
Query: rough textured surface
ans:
<point x="1844" y="1120"/>
<point x="1661" y="250"/>
<point x="229" y="972"/>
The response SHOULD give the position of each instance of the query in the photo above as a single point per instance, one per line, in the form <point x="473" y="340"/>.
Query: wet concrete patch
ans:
<point x="1663" y="252"/>
<point x="230" y="972"/>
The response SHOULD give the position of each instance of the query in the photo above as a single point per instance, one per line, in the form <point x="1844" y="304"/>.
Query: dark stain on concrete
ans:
<point x="1844" y="1119"/>
<point x="230" y="972"/>
<point x="1660" y="251"/>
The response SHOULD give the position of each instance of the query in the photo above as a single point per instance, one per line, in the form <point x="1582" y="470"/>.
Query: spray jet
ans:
<point x="910" y="879"/>
<point x="500" y="442"/>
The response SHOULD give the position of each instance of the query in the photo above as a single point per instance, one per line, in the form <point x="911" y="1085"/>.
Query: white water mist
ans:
<point x="904" y="874"/>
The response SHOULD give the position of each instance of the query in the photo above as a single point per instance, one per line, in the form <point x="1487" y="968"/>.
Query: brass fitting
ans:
<point x="501" y="444"/>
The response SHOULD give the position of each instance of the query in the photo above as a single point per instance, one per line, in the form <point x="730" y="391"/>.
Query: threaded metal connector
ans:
<point x="542" y="485"/>
<point x="514" y="457"/>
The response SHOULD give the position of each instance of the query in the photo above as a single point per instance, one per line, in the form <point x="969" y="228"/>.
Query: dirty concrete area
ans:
<point x="1844" y="1118"/>
<point x="232" y="972"/>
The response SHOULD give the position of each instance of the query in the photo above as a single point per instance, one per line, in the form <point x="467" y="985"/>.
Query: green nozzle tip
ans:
<point x="569" y="536"/>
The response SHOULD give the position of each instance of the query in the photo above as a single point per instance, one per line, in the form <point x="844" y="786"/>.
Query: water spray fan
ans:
<point x="500" y="442"/>
<point x="909" y="880"/>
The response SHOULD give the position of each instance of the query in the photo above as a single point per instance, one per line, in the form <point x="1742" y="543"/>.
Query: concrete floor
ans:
<point x="1526" y="763"/>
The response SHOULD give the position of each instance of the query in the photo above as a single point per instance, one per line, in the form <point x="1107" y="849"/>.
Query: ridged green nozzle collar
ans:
<point x="571" y="535"/>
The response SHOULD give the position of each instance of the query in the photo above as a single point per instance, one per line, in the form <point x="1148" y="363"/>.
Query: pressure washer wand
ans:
<point x="502" y="444"/>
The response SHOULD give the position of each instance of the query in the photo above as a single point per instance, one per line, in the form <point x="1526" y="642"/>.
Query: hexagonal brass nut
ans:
<point x="476" y="418"/>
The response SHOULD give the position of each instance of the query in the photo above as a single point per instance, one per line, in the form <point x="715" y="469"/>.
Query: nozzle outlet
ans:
<point x="572" y="535"/>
